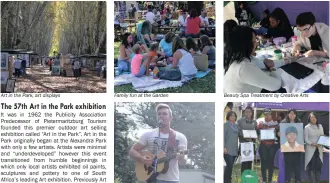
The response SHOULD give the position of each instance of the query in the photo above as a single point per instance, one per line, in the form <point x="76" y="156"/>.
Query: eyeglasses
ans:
<point x="305" y="30"/>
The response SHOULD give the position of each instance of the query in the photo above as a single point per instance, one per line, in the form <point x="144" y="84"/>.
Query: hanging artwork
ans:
<point x="4" y="77"/>
<point x="4" y="61"/>
<point x="10" y="87"/>
<point x="247" y="152"/>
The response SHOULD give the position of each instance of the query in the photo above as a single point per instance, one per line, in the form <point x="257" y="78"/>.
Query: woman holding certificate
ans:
<point x="247" y="133"/>
<point x="292" y="160"/>
<point x="230" y="144"/>
<point x="313" y="151"/>
<point x="268" y="131"/>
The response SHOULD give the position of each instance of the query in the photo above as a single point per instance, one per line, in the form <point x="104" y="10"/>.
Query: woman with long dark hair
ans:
<point x="192" y="46"/>
<point x="193" y="24"/>
<point x="279" y="25"/>
<point x="313" y="151"/>
<point x="227" y="29"/>
<point x="292" y="160"/>
<point x="125" y="53"/>
<point x="208" y="49"/>
<point x="242" y="76"/>
<point x="230" y="144"/>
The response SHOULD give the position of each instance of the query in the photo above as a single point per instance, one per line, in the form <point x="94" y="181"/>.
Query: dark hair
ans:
<point x="266" y="11"/>
<point x="249" y="108"/>
<point x="291" y="129"/>
<point x="239" y="47"/>
<point x="282" y="115"/>
<point x="230" y="113"/>
<point x="287" y="119"/>
<point x="230" y="105"/>
<point x="154" y="46"/>
<point x="205" y="41"/>
<point x="190" y="44"/>
<point x="305" y="18"/>
<point x="228" y="28"/>
<point x="241" y="3"/>
<point x="124" y="41"/>
<point x="280" y="15"/>
<point x="169" y="37"/>
<point x="317" y="120"/>
<point x="178" y="44"/>
<point x="193" y="13"/>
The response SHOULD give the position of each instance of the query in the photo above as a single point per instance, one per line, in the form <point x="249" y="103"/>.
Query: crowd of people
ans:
<point x="172" y="51"/>
<point x="243" y="69"/>
<point x="233" y="134"/>
<point x="176" y="51"/>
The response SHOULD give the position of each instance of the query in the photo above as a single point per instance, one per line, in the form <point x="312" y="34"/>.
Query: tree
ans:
<point x="68" y="27"/>
<point x="124" y="165"/>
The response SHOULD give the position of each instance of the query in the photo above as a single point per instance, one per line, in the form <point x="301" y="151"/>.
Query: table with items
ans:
<point x="302" y="75"/>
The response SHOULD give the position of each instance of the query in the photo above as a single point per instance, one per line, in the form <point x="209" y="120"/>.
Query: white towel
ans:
<point x="293" y="85"/>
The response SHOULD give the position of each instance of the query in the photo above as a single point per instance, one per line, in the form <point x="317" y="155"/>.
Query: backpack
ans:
<point x="249" y="176"/>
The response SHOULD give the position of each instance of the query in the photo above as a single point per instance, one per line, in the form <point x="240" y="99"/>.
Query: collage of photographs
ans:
<point x="169" y="47"/>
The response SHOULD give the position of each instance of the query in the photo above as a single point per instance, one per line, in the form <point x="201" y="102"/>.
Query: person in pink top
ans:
<point x="139" y="65"/>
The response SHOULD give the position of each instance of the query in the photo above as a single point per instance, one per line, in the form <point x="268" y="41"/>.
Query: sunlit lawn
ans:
<point x="202" y="85"/>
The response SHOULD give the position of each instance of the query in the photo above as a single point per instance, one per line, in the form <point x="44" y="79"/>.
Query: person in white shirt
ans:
<point x="204" y="18"/>
<point x="314" y="36"/>
<point x="182" y="21"/>
<point x="168" y="141"/>
<point x="17" y="66"/>
<point x="150" y="16"/>
<point x="242" y="76"/>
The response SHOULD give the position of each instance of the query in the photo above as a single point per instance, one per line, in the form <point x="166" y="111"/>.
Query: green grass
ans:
<point x="202" y="85"/>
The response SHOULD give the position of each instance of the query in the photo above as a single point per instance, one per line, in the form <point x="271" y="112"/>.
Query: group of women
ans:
<point x="267" y="150"/>
<point x="243" y="72"/>
<point x="179" y="54"/>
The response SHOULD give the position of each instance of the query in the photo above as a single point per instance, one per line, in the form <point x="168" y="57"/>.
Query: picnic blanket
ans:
<point x="148" y="83"/>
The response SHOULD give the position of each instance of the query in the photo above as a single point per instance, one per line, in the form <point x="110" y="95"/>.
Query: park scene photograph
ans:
<point x="53" y="47"/>
<point x="165" y="47"/>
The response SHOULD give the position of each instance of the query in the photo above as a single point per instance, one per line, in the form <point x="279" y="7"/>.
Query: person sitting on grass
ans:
<point x="154" y="55"/>
<point x="208" y="49"/>
<point x="166" y="44"/>
<point x="139" y="65"/>
<point x="192" y="46"/>
<point x="125" y="52"/>
<point x="183" y="59"/>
